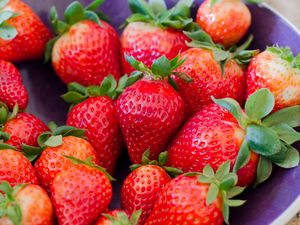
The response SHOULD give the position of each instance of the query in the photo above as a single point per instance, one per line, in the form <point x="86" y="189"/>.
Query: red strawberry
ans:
<point x="15" y="168"/>
<point x="23" y="129"/>
<point x="226" y="21"/>
<point x="26" y="35"/>
<point x="143" y="185"/>
<point x="98" y="115"/>
<point x="12" y="89"/>
<point x="214" y="71"/>
<point x="80" y="193"/>
<point x="277" y="70"/>
<point x="197" y="199"/>
<point x="87" y="49"/>
<point x="118" y="217"/>
<point x="150" y="111"/>
<point x="51" y="160"/>
<point x="25" y="204"/>
<point x="151" y="34"/>
<point x="214" y="136"/>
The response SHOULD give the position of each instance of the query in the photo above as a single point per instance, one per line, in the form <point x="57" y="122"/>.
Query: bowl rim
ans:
<point x="294" y="208"/>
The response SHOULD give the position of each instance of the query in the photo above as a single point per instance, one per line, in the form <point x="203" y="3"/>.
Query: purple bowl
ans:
<point x="274" y="202"/>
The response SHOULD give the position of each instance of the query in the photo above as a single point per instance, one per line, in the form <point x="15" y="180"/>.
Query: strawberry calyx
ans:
<point x="156" y="13"/>
<point x="6" y="115"/>
<point x="52" y="138"/>
<point x="286" y="53"/>
<point x="109" y="87"/>
<point x="200" y="39"/>
<point x="89" y="163"/>
<point x="213" y="2"/>
<point x="9" y="206"/>
<point x="73" y="14"/>
<point x="270" y="135"/>
<point x="161" y="162"/>
<point x="223" y="184"/>
<point x="161" y="68"/>
<point x="8" y="32"/>
<point x="122" y="218"/>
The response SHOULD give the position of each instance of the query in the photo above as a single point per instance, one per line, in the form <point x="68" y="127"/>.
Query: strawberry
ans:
<point x="20" y="129"/>
<point x="118" y="217"/>
<point x="200" y="199"/>
<point x="226" y="21"/>
<point x="96" y="113"/>
<point x="65" y="140"/>
<point x="143" y="185"/>
<point x="12" y="89"/>
<point x="150" y="111"/>
<point x="86" y="49"/>
<point x="214" y="71"/>
<point x="80" y="193"/>
<point x="278" y="70"/>
<point x="23" y="36"/>
<point x="153" y="31"/>
<point x="14" y="167"/>
<point x="25" y="204"/>
<point x="251" y="139"/>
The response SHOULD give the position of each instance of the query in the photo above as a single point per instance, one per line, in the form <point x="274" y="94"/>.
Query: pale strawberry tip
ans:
<point x="286" y="54"/>
<point x="270" y="135"/>
<point x="122" y="218"/>
<point x="213" y="2"/>
<point x="223" y="184"/>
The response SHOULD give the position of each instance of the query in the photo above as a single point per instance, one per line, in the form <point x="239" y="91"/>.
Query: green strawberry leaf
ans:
<point x="208" y="171"/>
<point x="94" y="5"/>
<point x="54" y="141"/>
<point x="286" y="54"/>
<point x="3" y="3"/>
<point x="212" y="193"/>
<point x="74" y="13"/>
<point x="90" y="15"/>
<point x="296" y="62"/>
<point x="243" y="157"/>
<point x="4" y="136"/>
<point x="289" y="116"/>
<point x="287" y="158"/>
<point x="286" y="133"/>
<point x="225" y="211"/>
<point x="4" y="113"/>
<point x="234" y="108"/>
<point x="259" y="104"/>
<point x="235" y="191"/>
<point x="157" y="6"/>
<point x="141" y="7"/>
<point x="161" y="67"/>
<point x="223" y="170"/>
<point x="73" y="97"/>
<point x="4" y="146"/>
<point x="263" y="140"/>
<point x="6" y="15"/>
<point x="264" y="170"/>
<point x="135" y="217"/>
<point x="30" y="152"/>
<point x="204" y="179"/>
<point x="228" y="181"/>
<point x="7" y="32"/>
<point x="48" y="49"/>
<point x="235" y="202"/>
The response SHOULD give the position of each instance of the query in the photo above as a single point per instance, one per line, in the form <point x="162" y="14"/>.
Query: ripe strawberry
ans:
<point x="80" y="193"/>
<point x="12" y="89"/>
<point x="226" y="21"/>
<point x="215" y="72"/>
<point x="143" y="185"/>
<point x="15" y="168"/>
<point x="23" y="36"/>
<point x="22" y="129"/>
<point x="118" y="217"/>
<point x="153" y="31"/>
<point x="150" y="111"/>
<point x="86" y="49"/>
<point x="97" y="114"/>
<point x="197" y="198"/>
<point x="51" y="160"/>
<point x="25" y="204"/>
<point x="278" y="70"/>
<point x="214" y="136"/>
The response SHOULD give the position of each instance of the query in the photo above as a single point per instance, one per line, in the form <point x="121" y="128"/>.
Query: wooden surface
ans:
<point x="289" y="9"/>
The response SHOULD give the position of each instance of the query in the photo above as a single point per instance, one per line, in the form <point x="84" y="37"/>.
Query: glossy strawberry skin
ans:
<point x="226" y="22"/>
<point x="146" y="42"/>
<point x="52" y="161"/>
<point x="105" y="221"/>
<point x="32" y="35"/>
<point x="268" y="70"/>
<point x="36" y="206"/>
<point x="212" y="137"/>
<point x="141" y="189"/>
<point x="15" y="168"/>
<point x="98" y="116"/>
<point x="12" y="89"/>
<point x="207" y="80"/>
<point x="183" y="201"/>
<point x="80" y="194"/>
<point x="24" y="129"/>
<point x="149" y="112"/>
<point x="87" y="53"/>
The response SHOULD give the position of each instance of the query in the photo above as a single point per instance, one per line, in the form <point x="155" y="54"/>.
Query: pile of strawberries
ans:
<point x="201" y="117"/>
